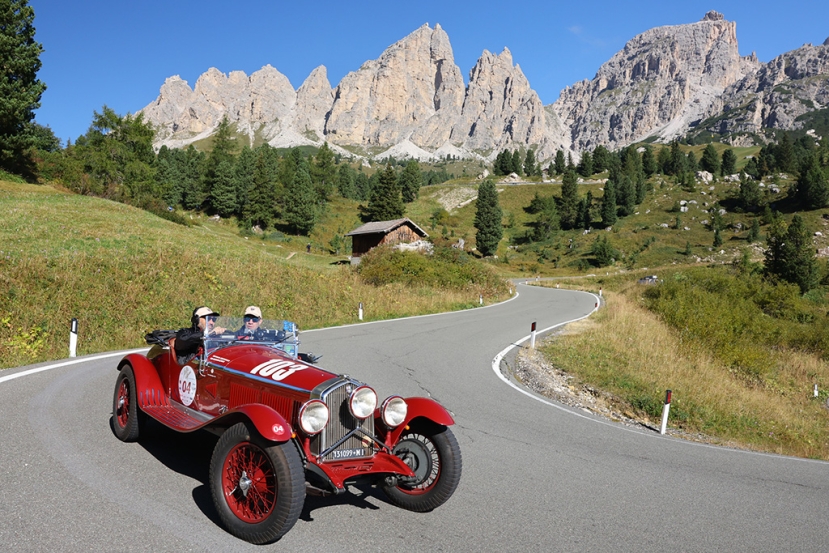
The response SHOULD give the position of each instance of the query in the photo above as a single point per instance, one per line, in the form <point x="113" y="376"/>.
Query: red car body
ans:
<point x="264" y="402"/>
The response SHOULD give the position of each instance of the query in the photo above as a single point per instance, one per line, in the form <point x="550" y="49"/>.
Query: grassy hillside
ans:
<point x="741" y="358"/>
<point x="123" y="272"/>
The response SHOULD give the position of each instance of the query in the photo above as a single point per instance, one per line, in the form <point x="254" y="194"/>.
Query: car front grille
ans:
<point x="342" y="425"/>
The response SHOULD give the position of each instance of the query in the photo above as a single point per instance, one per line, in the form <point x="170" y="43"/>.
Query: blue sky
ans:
<point x="119" y="53"/>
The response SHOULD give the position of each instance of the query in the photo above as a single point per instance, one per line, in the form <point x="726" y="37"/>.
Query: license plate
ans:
<point x="341" y="454"/>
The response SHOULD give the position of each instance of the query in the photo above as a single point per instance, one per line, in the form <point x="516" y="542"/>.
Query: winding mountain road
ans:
<point x="537" y="476"/>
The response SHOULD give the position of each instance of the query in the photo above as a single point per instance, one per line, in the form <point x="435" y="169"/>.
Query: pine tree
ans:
<point x="223" y="189"/>
<point x="609" y="204"/>
<point x="529" y="163"/>
<point x="586" y="164"/>
<point x="663" y="161"/>
<point x="785" y="158"/>
<point x="324" y="173"/>
<point x="362" y="187"/>
<point x="193" y="194"/>
<point x="583" y="220"/>
<point x="223" y="152"/>
<point x="790" y="255"/>
<point x="265" y="191"/>
<point x="604" y="253"/>
<point x="300" y="207"/>
<point x="754" y="231"/>
<point x="688" y="249"/>
<point x="812" y="189"/>
<point x="547" y="222"/>
<point x="517" y="166"/>
<point x="410" y="181"/>
<point x="569" y="200"/>
<point x="626" y="196"/>
<point x="729" y="162"/>
<point x="717" y="238"/>
<point x="649" y="165"/>
<point x="601" y="159"/>
<point x="710" y="160"/>
<point x="385" y="202"/>
<point x="560" y="164"/>
<point x="488" y="216"/>
<point x="20" y="90"/>
<point x="678" y="161"/>
<point x="243" y="177"/>
<point x="345" y="181"/>
<point x="749" y="194"/>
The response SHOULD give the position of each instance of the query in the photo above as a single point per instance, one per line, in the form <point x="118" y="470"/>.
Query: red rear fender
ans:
<point x="146" y="376"/>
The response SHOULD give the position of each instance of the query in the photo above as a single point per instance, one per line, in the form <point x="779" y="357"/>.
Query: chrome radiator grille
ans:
<point x="343" y="426"/>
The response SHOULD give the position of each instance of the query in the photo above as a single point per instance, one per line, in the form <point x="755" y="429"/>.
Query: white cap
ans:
<point x="204" y="312"/>
<point x="253" y="310"/>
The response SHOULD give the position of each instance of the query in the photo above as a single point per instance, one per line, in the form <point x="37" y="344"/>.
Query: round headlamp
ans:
<point x="313" y="416"/>
<point x="363" y="402"/>
<point x="394" y="411"/>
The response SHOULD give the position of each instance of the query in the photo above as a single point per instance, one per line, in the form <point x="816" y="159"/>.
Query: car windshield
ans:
<point x="225" y="331"/>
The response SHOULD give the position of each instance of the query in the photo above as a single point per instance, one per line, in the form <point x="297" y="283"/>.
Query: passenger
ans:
<point x="250" y="329"/>
<point x="190" y="340"/>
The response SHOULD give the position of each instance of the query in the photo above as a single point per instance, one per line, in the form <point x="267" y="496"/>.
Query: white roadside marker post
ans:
<point x="815" y="390"/>
<point x="480" y="299"/>
<point x="532" y="337"/>
<point x="360" y="311"/>
<point x="73" y="338"/>
<point x="665" y="409"/>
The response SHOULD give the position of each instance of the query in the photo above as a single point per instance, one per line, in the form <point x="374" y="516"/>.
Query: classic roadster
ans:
<point x="286" y="426"/>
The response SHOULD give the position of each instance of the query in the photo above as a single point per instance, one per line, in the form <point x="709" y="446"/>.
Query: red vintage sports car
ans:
<point x="287" y="427"/>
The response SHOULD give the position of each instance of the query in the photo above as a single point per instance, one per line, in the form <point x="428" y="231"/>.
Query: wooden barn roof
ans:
<point x="385" y="227"/>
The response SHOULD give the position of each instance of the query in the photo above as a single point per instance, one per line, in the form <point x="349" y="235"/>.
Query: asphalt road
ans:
<point x="536" y="476"/>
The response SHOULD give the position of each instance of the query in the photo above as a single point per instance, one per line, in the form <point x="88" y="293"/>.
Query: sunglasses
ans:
<point x="211" y="318"/>
<point x="252" y="318"/>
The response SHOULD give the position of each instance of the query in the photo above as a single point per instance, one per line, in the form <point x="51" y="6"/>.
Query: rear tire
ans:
<point x="127" y="418"/>
<point x="433" y="454"/>
<point x="258" y="486"/>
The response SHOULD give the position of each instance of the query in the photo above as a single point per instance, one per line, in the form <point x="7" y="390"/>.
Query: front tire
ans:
<point x="127" y="418"/>
<point x="433" y="454"/>
<point x="258" y="487"/>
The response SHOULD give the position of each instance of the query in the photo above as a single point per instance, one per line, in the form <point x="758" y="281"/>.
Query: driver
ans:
<point x="189" y="340"/>
<point x="250" y="329"/>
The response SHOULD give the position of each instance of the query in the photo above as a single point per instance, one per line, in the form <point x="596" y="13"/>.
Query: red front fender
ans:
<point x="419" y="408"/>
<point x="268" y="422"/>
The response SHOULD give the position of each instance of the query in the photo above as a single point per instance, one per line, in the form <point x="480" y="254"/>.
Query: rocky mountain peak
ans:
<point x="660" y="82"/>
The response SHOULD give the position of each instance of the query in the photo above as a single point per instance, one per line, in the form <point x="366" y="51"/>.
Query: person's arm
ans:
<point x="188" y="340"/>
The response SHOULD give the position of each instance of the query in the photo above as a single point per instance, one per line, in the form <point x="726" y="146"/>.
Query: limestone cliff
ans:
<point x="661" y="82"/>
<point x="789" y="86"/>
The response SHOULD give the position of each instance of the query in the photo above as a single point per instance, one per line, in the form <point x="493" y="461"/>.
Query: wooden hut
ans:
<point x="378" y="233"/>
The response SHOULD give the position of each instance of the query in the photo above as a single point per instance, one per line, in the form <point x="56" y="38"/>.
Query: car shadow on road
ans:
<point x="363" y="497"/>
<point x="187" y="454"/>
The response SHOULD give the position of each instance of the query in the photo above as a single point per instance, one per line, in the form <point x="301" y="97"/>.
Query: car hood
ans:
<point x="269" y="364"/>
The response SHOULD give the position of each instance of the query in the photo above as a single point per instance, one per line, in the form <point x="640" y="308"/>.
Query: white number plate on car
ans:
<point x="338" y="454"/>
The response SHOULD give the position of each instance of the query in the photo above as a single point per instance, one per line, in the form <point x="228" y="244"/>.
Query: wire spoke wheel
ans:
<point x="421" y="455"/>
<point x="258" y="486"/>
<point x="127" y="418"/>
<point x="434" y="456"/>
<point x="249" y="483"/>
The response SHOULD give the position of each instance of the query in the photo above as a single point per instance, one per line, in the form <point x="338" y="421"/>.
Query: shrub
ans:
<point x="446" y="267"/>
